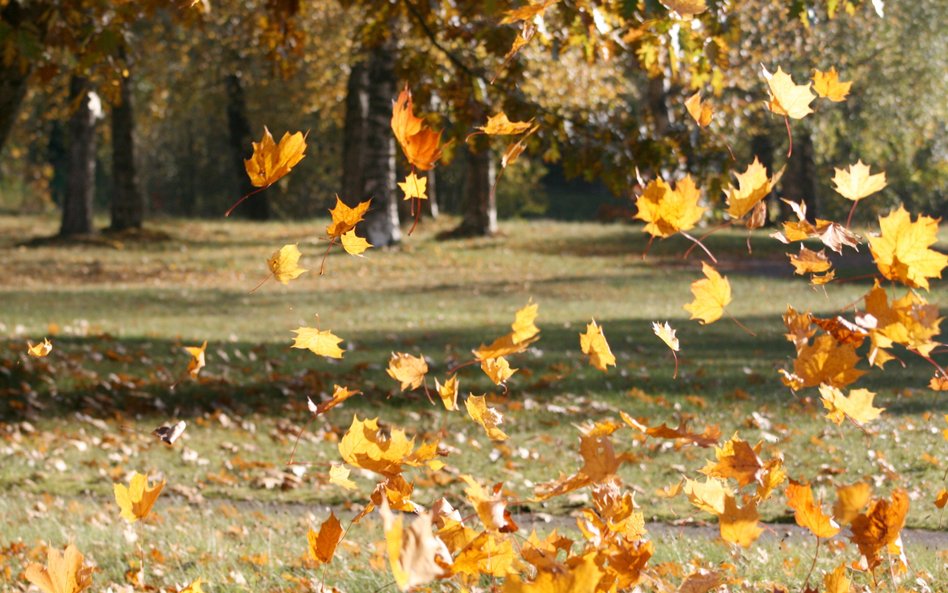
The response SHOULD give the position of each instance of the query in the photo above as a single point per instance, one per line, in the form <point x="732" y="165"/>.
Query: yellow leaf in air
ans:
<point x="581" y="575"/>
<point x="319" y="342"/>
<point x="500" y="125"/>
<point x="344" y="218"/>
<point x="941" y="499"/>
<point x="497" y="369"/>
<point x="739" y="524"/>
<point x="197" y="358"/>
<point x="354" y="245"/>
<point x="712" y="294"/>
<point x="523" y="326"/>
<point x="857" y="406"/>
<point x="666" y="334"/>
<point x="827" y="85"/>
<point x="736" y="459"/>
<point x="414" y="187"/>
<point x="700" y="110"/>
<point x="753" y="185"/>
<point x="513" y="152"/>
<point x="880" y="526"/>
<point x="63" y="573"/>
<point x="837" y="581"/>
<point x="850" y="501"/>
<point x="448" y="393"/>
<point x="40" y="350"/>
<point x="524" y="333"/>
<point x="686" y="8"/>
<point x="413" y="553"/>
<point x="824" y="361"/>
<point x="339" y="475"/>
<point x="667" y="211"/>
<point x="809" y="261"/>
<point x="365" y="446"/>
<point x="902" y="251"/>
<point x="339" y="395"/>
<point x="488" y="418"/>
<point x="136" y="499"/>
<point x="856" y="183"/>
<point x="284" y="264"/>
<point x="593" y="344"/>
<point x="271" y="161"/>
<point x="322" y="545"/>
<point x="807" y="513"/>
<point x="910" y="321"/>
<point x="407" y="369"/>
<point x="787" y="98"/>
<point x="709" y="495"/>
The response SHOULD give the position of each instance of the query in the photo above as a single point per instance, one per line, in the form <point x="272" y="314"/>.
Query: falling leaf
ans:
<point x="667" y="211"/>
<point x="414" y="187"/>
<point x="193" y="587"/>
<point x="686" y="8"/>
<point x="514" y="151"/>
<point x="824" y="361"/>
<point x="490" y="505"/>
<point x="753" y="185"/>
<point x="136" y="499"/>
<point x="339" y="475"/>
<point x="712" y="294"/>
<point x="809" y="262"/>
<point x="448" y="393"/>
<point x="850" y="500"/>
<point x="827" y="85"/>
<point x="857" y="406"/>
<point x="169" y="434"/>
<point x="339" y="395"/>
<point x="497" y="369"/>
<point x="735" y="459"/>
<point x="319" y="342"/>
<point x="739" y="525"/>
<point x="354" y="245"/>
<point x="523" y="333"/>
<point x="807" y="513"/>
<point x="197" y="358"/>
<point x="593" y="344"/>
<point x="941" y="498"/>
<point x="413" y="553"/>
<point x="581" y="575"/>
<point x="837" y="581"/>
<point x="500" y="125"/>
<point x="700" y="110"/>
<point x="488" y="418"/>
<point x="271" y="161"/>
<point x="322" y="545"/>
<point x="938" y="382"/>
<point x="63" y="573"/>
<point x="365" y="446"/>
<point x="523" y="326"/>
<point x="880" y="526"/>
<point x="408" y="370"/>
<point x="902" y="252"/>
<point x="40" y="350"/>
<point x="666" y="334"/>
<point x="856" y="183"/>
<point x="344" y="218"/>
<point x="284" y="264"/>
<point x="910" y="321"/>
<point x="787" y="98"/>
<point x="709" y="495"/>
<point x="527" y="12"/>
<point x="421" y="144"/>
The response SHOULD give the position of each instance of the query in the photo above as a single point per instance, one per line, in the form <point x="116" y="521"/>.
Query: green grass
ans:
<point x="75" y="422"/>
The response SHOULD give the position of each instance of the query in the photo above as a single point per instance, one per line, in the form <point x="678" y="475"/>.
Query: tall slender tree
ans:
<point x="80" y="184"/>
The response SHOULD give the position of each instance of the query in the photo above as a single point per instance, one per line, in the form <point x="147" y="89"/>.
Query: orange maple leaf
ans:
<point x="421" y="144"/>
<point x="137" y="499"/>
<point x="63" y="573"/>
<point x="408" y="370"/>
<point x="271" y="161"/>
<point x="807" y="513"/>
<point x="827" y="85"/>
<point x="322" y="545"/>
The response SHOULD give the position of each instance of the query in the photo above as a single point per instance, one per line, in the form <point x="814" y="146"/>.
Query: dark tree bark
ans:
<point x="128" y="202"/>
<point x="480" y="206"/>
<point x="80" y="185"/>
<point x="658" y="107"/>
<point x="763" y="149"/>
<point x="378" y="173"/>
<point x="354" y="138"/>
<point x="15" y="69"/>
<point x="238" y="126"/>
<point x="800" y="180"/>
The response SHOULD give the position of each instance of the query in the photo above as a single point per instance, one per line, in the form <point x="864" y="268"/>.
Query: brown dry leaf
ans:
<point x="137" y="499"/>
<point x="413" y="553"/>
<point x="856" y="183"/>
<point x="339" y="395"/>
<point x="736" y="459"/>
<point x="497" y="369"/>
<point x="712" y="294"/>
<point x="593" y="344"/>
<point x="880" y="526"/>
<point x="197" y="358"/>
<point x="686" y="8"/>
<point x="344" y="218"/>
<point x="271" y="161"/>
<point x="408" y="370"/>
<point x="421" y="144"/>
<point x="787" y="98"/>
<point x="63" y="573"/>
<point x="753" y="185"/>
<point x="319" y="342"/>
<point x="322" y="545"/>
<point x="701" y="111"/>
<point x="284" y="264"/>
<point x="809" y="262"/>
<point x="857" y="406"/>
<point x="799" y="327"/>
<point x="807" y="513"/>
<point x="40" y="350"/>
<point x="827" y="85"/>
<point x="739" y="525"/>
<point x="902" y="252"/>
<point x="701" y="581"/>
<point x="448" y="393"/>
<point x="488" y="418"/>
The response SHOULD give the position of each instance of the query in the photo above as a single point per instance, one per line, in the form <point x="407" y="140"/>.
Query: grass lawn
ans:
<point x="119" y="313"/>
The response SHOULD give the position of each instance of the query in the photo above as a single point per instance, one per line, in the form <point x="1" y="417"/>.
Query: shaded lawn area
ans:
<point x="119" y="314"/>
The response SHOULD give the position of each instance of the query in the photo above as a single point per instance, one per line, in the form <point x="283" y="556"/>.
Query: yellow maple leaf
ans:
<point x="63" y="573"/>
<point x="787" y="98"/>
<point x="753" y="185"/>
<point x="322" y="545"/>
<point x="500" y="125"/>
<point x="809" y="261"/>
<point x="667" y="211"/>
<point x="739" y="525"/>
<point x="700" y="110"/>
<point x="910" y="321"/>
<point x="344" y="218"/>
<point x="488" y="418"/>
<point x="736" y="459"/>
<point x="850" y="500"/>
<point x="581" y="575"/>
<point x="319" y="342"/>
<point x="807" y="513"/>
<point x="407" y="369"/>
<point x="193" y="587"/>
<point x="339" y="395"/>
<point x="593" y="344"/>
<point x="137" y="499"/>
<point x="824" y="361"/>
<point x="523" y="333"/>
<point x="523" y="326"/>
<point x="271" y="161"/>
<point x="448" y="393"/>
<point x="666" y="334"/>
<point x="856" y="183"/>
<point x="339" y="475"/>
<point x="902" y="251"/>
<point x="709" y="495"/>
<point x="365" y="446"/>
<point x="857" y="406"/>
<point x="284" y="264"/>
<point x="197" y="358"/>
<point x="712" y="294"/>
<point x="837" y="581"/>
<point x="827" y="85"/>
<point x="414" y="187"/>
<point x="353" y="244"/>
<point x="40" y="350"/>
<point x="413" y="553"/>
<point x="497" y="369"/>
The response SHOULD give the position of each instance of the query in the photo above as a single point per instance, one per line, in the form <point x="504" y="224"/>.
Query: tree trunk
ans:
<point x="433" y="210"/>
<point x="128" y="203"/>
<point x="256" y="207"/>
<point x="354" y="138"/>
<point x="800" y="180"/>
<point x="658" y="107"/>
<point x="763" y="149"/>
<point x="480" y="206"/>
<point x="15" y="68"/>
<point x="80" y="185"/>
<point x="381" y="222"/>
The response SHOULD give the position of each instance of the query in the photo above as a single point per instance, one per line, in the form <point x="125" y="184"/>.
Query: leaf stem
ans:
<point x="699" y="244"/>
<point x="262" y="282"/>
<point x="322" y="264"/>
<point x="739" y="324"/>
<point x="786" y="120"/>
<point x="705" y="236"/>
<point x="816" y="554"/>
<point x="241" y="200"/>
